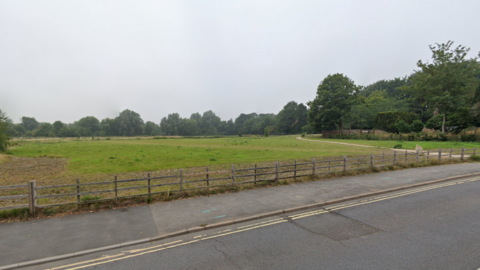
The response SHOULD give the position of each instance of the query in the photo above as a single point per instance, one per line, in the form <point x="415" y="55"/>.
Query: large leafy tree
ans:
<point x="448" y="82"/>
<point x="3" y="131"/>
<point x="335" y="96"/>
<point x="292" y="118"/>
<point x="30" y="123"/>
<point x="129" y="123"/>
<point x="90" y="124"/>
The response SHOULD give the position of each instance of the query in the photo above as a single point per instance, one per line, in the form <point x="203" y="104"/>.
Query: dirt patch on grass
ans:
<point x="20" y="170"/>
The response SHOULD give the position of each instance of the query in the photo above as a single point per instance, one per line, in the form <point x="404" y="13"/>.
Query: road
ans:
<point x="433" y="227"/>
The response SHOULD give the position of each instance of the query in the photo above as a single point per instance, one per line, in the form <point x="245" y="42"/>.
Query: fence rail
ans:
<point x="184" y="182"/>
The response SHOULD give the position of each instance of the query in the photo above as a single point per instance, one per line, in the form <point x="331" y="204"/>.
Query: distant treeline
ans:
<point x="289" y="120"/>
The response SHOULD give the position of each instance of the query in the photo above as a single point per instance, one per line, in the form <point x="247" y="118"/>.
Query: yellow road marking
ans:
<point x="113" y="256"/>
<point x="252" y="226"/>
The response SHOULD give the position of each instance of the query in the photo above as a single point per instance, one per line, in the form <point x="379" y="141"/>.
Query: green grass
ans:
<point x="407" y="144"/>
<point x="117" y="156"/>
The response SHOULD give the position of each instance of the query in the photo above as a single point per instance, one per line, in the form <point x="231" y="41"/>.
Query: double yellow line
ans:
<point x="140" y="252"/>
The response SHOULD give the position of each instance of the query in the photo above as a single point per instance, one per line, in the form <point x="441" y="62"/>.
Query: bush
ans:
<point x="417" y="126"/>
<point x="266" y="132"/>
<point x="387" y="121"/>
<point x="403" y="127"/>
<point x="474" y="158"/>
<point x="303" y="134"/>
<point x="398" y="146"/>
<point x="468" y="138"/>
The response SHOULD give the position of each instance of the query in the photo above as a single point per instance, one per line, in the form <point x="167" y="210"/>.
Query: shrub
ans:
<point x="266" y="132"/>
<point x="387" y="121"/>
<point x="303" y="134"/>
<point x="403" y="127"/>
<point x="398" y="146"/>
<point x="417" y="126"/>
<point x="468" y="137"/>
<point x="149" y="200"/>
<point x="474" y="158"/>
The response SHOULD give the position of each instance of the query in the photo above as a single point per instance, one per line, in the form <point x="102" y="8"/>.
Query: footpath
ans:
<point x="37" y="239"/>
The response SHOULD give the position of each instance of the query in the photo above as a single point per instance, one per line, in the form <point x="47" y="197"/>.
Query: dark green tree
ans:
<point x="57" y="125"/>
<point x="129" y="123"/>
<point x="29" y="123"/>
<point x="151" y="129"/>
<point x="4" y="138"/>
<point x="448" y="81"/>
<point x="44" y="130"/>
<point x="90" y="124"/>
<point x="292" y="118"/>
<point x="334" y="100"/>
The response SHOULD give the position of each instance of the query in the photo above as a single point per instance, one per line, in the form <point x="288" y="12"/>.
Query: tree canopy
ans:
<point x="336" y="95"/>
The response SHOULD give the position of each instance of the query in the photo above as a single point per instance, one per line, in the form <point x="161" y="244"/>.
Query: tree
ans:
<point x="90" y="124"/>
<point x="447" y="82"/>
<point x="417" y="126"/>
<point x="3" y="132"/>
<point x="129" y="123"/>
<point x="403" y="127"/>
<point x="57" y="125"/>
<point x="44" y="130"/>
<point x="151" y="129"/>
<point x="29" y="123"/>
<point x="210" y="123"/>
<point x="292" y="118"/>
<point x="334" y="100"/>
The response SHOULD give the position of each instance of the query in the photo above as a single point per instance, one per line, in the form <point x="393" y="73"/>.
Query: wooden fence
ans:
<point x="209" y="180"/>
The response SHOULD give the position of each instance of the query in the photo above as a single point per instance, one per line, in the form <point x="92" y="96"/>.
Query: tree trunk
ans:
<point x="341" y="127"/>
<point x="443" y="124"/>
<point x="435" y="112"/>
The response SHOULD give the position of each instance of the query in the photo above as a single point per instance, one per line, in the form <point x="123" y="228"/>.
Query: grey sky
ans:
<point x="63" y="60"/>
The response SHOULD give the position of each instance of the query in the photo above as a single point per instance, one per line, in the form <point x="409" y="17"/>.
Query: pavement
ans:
<point x="25" y="241"/>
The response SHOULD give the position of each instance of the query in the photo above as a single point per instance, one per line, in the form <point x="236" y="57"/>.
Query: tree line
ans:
<point x="443" y="94"/>
<point x="289" y="120"/>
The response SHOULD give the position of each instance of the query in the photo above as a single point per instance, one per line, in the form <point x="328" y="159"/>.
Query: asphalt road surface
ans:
<point x="433" y="227"/>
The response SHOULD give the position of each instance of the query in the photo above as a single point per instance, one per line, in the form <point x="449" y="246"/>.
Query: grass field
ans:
<point x="61" y="161"/>
<point x="405" y="144"/>
<point x="117" y="156"/>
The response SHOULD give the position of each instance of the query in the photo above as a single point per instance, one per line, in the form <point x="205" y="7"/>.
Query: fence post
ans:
<point x="32" y="196"/>
<point x="116" y="189"/>
<point x="233" y="175"/>
<point x="181" y="182"/>
<point x="406" y="153"/>
<point x="428" y="154"/>
<point x="358" y="162"/>
<point x="148" y="176"/>
<point x="474" y="150"/>
<point x="439" y="154"/>
<point x="329" y="164"/>
<point x="208" y="184"/>
<point x="383" y="159"/>
<point x="313" y="166"/>
<point x="78" y="190"/>
<point x="371" y="160"/>
<point x="463" y="153"/>
<point x="276" y="172"/>
<point x="394" y="158"/>
<point x="255" y="175"/>
<point x="450" y="156"/>
<point x="295" y="170"/>
<point x="344" y="163"/>
<point x="416" y="158"/>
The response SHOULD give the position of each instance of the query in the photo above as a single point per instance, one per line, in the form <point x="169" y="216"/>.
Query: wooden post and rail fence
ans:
<point x="230" y="178"/>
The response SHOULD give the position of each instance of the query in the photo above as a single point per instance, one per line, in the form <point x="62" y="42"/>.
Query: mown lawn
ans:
<point x="136" y="155"/>
<point x="405" y="144"/>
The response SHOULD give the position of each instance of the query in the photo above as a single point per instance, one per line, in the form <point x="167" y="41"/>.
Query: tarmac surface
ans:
<point x="25" y="241"/>
<point x="429" y="227"/>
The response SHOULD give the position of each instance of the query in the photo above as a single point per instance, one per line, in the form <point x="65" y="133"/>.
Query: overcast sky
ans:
<point x="63" y="60"/>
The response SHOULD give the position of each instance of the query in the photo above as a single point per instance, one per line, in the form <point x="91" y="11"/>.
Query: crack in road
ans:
<point x="225" y="255"/>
